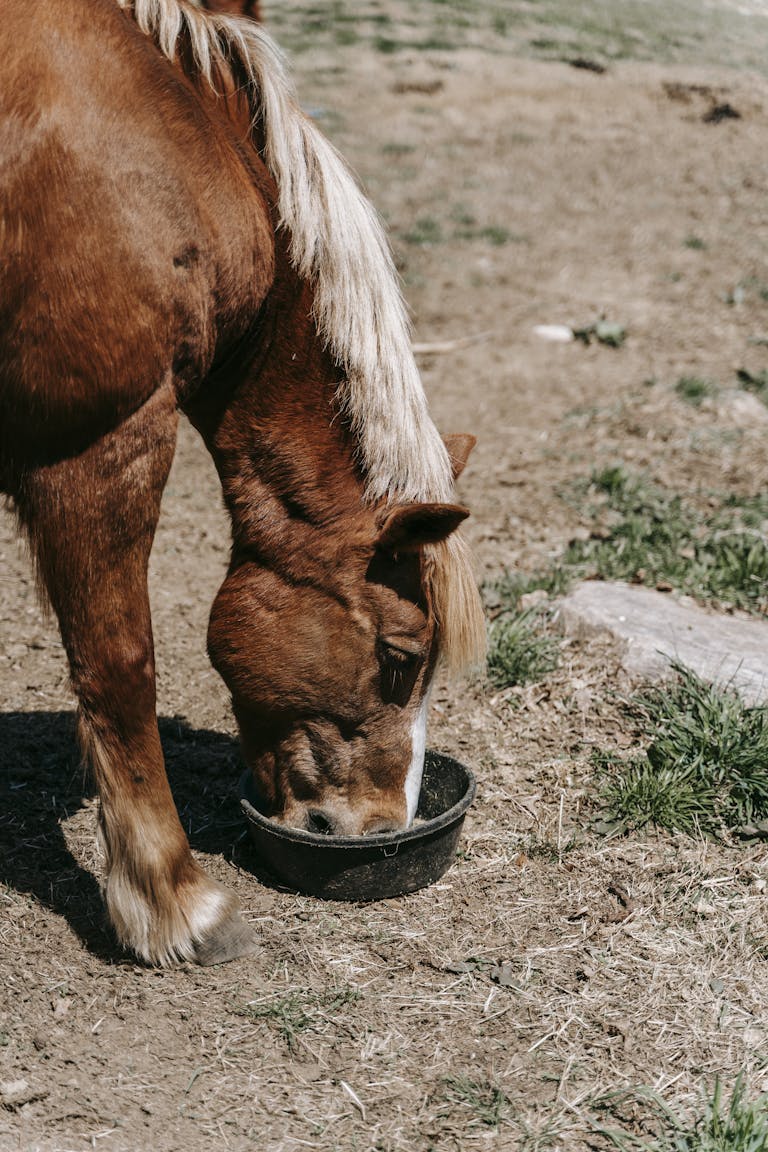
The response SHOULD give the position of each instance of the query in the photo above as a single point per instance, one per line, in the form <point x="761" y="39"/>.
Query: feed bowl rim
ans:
<point x="378" y="839"/>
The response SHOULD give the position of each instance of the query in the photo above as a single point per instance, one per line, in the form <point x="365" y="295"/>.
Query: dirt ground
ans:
<point x="550" y="966"/>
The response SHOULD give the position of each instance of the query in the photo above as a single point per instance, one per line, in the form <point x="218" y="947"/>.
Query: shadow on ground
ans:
<point x="43" y="783"/>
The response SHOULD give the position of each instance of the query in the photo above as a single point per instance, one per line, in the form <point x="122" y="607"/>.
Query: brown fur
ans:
<point x="142" y="273"/>
<point x="250" y="8"/>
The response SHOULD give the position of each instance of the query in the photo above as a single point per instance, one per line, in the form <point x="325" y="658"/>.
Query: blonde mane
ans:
<point x="337" y="243"/>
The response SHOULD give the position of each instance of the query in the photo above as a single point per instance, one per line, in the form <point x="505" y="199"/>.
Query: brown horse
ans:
<point x="177" y="236"/>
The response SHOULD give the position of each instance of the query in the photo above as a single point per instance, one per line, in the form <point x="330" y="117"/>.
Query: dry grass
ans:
<point x="496" y="1010"/>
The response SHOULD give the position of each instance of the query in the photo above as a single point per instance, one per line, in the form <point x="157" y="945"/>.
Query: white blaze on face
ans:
<point x="416" y="770"/>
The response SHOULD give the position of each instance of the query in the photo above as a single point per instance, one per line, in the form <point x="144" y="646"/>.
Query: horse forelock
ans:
<point x="450" y="581"/>
<point x="336" y="242"/>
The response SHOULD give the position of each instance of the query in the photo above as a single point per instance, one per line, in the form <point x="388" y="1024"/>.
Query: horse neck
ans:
<point x="284" y="454"/>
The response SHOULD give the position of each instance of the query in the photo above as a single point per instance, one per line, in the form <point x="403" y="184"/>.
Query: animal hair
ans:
<point x="160" y="921"/>
<point x="337" y="243"/>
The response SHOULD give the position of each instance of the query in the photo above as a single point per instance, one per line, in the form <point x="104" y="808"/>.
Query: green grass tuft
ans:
<point x="646" y="535"/>
<point x="696" y="389"/>
<point x="497" y="236"/>
<point x="485" y="1101"/>
<point x="298" y="1011"/>
<point x="705" y="768"/>
<point x="425" y="232"/>
<point x="519" y="652"/>
<point x="736" y="1124"/>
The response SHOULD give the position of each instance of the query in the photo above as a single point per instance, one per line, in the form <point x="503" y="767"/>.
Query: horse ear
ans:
<point x="459" y="445"/>
<point x="410" y="526"/>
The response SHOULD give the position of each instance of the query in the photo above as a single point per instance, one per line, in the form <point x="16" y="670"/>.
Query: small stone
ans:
<point x="16" y="1093"/>
<point x="554" y="333"/>
<point x="458" y="968"/>
<point x="743" y="409"/>
<point x="504" y="975"/>
<point x="61" y="1008"/>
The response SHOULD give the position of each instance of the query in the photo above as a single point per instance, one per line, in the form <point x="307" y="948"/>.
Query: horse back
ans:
<point x="135" y="231"/>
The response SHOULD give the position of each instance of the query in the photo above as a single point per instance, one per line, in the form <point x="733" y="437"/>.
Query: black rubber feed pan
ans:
<point x="370" y="867"/>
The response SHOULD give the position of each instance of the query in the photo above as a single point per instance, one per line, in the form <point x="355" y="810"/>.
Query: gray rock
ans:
<point x="16" y="1093"/>
<point x="657" y="627"/>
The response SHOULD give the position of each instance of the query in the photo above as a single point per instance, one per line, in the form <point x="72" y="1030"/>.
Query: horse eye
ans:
<point x="399" y="658"/>
<point x="399" y="671"/>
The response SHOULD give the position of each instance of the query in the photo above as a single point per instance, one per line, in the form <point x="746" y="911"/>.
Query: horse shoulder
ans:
<point x="135" y="238"/>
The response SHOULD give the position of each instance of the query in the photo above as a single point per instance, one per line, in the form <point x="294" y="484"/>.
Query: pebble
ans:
<point x="16" y="1093"/>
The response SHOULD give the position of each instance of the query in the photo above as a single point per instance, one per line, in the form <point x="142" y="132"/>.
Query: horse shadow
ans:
<point x="42" y="782"/>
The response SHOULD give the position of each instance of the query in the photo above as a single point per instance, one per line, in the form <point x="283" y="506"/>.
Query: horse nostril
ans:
<point x="317" y="821"/>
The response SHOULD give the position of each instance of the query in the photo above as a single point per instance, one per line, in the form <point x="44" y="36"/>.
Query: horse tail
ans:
<point x="338" y="244"/>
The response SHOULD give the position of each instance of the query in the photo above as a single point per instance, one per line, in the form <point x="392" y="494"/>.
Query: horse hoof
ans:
<point x="227" y="941"/>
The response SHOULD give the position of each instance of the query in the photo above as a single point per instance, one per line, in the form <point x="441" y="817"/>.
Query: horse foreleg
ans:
<point x="91" y="521"/>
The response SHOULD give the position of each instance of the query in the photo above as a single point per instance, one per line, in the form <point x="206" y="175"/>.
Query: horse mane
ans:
<point x="337" y="243"/>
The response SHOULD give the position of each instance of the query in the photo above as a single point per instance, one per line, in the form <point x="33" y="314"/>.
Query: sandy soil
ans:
<point x="494" y="1009"/>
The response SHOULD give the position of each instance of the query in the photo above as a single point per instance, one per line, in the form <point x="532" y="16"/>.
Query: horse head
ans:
<point x="330" y="670"/>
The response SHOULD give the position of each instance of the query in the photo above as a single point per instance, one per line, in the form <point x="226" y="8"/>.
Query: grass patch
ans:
<point x="519" y="652"/>
<point x="644" y="30"/>
<point x="505" y="594"/>
<point x="486" y="1102"/>
<point x="498" y="236"/>
<point x="647" y="535"/>
<point x="734" y="1124"/>
<point x="425" y="232"/>
<point x="397" y="148"/>
<point x="695" y="243"/>
<point x="387" y="46"/>
<point x="468" y="228"/>
<point x="686" y="32"/>
<point x="299" y="1011"/>
<point x="695" y="389"/>
<point x="345" y="36"/>
<point x="463" y="225"/>
<point x="705" y="767"/>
